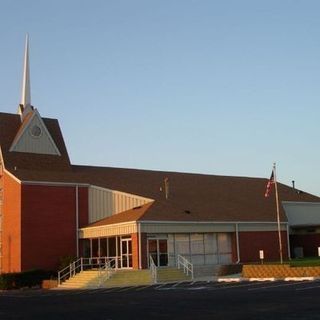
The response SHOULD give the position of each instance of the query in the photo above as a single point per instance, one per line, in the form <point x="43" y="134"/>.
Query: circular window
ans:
<point x="36" y="131"/>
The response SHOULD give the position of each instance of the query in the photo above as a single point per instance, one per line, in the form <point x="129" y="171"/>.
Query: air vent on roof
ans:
<point x="187" y="211"/>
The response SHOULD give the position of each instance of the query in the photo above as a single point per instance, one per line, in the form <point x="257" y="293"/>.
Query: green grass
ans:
<point x="305" y="262"/>
<point x="298" y="262"/>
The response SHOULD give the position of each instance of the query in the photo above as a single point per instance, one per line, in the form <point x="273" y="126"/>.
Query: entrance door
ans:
<point x="126" y="253"/>
<point x="158" y="249"/>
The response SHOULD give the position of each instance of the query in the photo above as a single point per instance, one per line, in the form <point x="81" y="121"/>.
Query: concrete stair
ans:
<point x="170" y="274"/>
<point x="127" y="278"/>
<point x="123" y="278"/>
<point x="84" y="279"/>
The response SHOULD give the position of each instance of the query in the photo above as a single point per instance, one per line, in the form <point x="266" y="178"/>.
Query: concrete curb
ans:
<point x="239" y="279"/>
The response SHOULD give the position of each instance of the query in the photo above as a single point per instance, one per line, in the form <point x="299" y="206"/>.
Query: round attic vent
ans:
<point x="36" y="131"/>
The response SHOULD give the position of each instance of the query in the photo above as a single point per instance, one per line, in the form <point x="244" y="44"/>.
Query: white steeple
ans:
<point x="25" y="104"/>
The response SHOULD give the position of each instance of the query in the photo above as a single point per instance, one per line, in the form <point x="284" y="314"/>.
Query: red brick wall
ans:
<point x="234" y="247"/>
<point x="49" y="224"/>
<point x="11" y="225"/>
<point x="135" y="250"/>
<point x="251" y="242"/>
<point x="144" y="256"/>
<point x="309" y="243"/>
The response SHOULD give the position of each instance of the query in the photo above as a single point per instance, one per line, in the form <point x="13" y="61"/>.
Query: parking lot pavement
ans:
<point x="180" y="300"/>
<point x="244" y="286"/>
<point x="206" y="286"/>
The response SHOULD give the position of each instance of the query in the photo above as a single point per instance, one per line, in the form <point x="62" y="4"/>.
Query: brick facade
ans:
<point x="11" y="225"/>
<point x="251" y="242"/>
<point x="39" y="224"/>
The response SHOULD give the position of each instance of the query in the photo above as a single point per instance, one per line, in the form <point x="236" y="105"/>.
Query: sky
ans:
<point x="214" y="87"/>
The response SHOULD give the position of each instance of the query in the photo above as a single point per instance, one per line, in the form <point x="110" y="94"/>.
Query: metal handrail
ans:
<point x="106" y="271"/>
<point x="69" y="271"/>
<point x="87" y="263"/>
<point x="186" y="265"/>
<point x="153" y="269"/>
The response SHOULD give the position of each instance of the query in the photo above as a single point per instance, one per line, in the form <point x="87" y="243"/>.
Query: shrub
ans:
<point x="24" y="279"/>
<point x="65" y="261"/>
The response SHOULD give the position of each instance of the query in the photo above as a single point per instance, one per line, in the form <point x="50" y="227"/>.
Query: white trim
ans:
<point x="107" y="225"/>
<point x="49" y="135"/>
<point x="140" y="246"/>
<point x="56" y="184"/>
<point x="210" y="222"/>
<point x="1" y="158"/>
<point x="300" y="203"/>
<point x="26" y="126"/>
<point x="237" y="241"/>
<point x="12" y="176"/>
<point x="21" y="133"/>
<point x="169" y="222"/>
<point x="288" y="242"/>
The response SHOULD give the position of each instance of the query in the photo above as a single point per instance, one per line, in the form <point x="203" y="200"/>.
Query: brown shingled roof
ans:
<point x="192" y="197"/>
<point x="125" y="216"/>
<point x="10" y="125"/>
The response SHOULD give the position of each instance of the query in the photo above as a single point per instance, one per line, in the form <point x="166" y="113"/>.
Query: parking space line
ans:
<point x="161" y="285"/>
<point x="125" y="289"/>
<point x="143" y="287"/>
<point x="111" y="289"/>
<point x="176" y="284"/>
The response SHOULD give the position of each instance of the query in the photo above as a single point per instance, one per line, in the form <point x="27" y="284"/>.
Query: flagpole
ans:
<point x="278" y="212"/>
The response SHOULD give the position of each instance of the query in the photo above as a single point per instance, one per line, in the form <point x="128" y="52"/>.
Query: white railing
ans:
<point x="187" y="266"/>
<point x="153" y="269"/>
<point x="103" y="264"/>
<point x="106" y="271"/>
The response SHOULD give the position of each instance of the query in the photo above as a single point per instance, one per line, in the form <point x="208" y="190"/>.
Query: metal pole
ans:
<point x="278" y="213"/>
<point x="77" y="220"/>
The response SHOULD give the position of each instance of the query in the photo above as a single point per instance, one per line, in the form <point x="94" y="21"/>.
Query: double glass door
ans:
<point x="158" y="250"/>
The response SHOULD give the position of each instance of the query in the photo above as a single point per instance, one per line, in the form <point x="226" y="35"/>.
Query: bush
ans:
<point x="65" y="261"/>
<point x="24" y="279"/>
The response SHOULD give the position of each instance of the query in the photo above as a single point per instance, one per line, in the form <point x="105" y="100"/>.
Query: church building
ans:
<point x="51" y="208"/>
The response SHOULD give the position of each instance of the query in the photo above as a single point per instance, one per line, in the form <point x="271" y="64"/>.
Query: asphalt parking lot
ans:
<point x="197" y="300"/>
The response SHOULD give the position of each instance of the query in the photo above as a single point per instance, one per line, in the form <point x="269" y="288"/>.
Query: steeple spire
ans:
<point x="25" y="104"/>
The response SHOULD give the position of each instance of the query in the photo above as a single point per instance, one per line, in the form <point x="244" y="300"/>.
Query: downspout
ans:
<point x="140" y="253"/>
<point x="288" y="241"/>
<point x="237" y="241"/>
<point x="77" y="220"/>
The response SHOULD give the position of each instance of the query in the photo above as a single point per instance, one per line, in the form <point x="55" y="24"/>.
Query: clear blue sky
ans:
<point x="219" y="87"/>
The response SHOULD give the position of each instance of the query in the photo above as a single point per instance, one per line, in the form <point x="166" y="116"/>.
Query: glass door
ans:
<point x="158" y="250"/>
<point x="126" y="253"/>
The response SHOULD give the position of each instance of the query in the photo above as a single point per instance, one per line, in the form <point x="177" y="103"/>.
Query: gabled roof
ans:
<point x="192" y="197"/>
<point x="126" y="216"/>
<point x="10" y="126"/>
<point x="42" y="143"/>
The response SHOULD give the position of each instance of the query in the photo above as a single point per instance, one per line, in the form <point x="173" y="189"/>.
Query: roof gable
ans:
<point x="34" y="137"/>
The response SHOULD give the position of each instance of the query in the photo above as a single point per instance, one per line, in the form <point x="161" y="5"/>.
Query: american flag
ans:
<point x="269" y="185"/>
